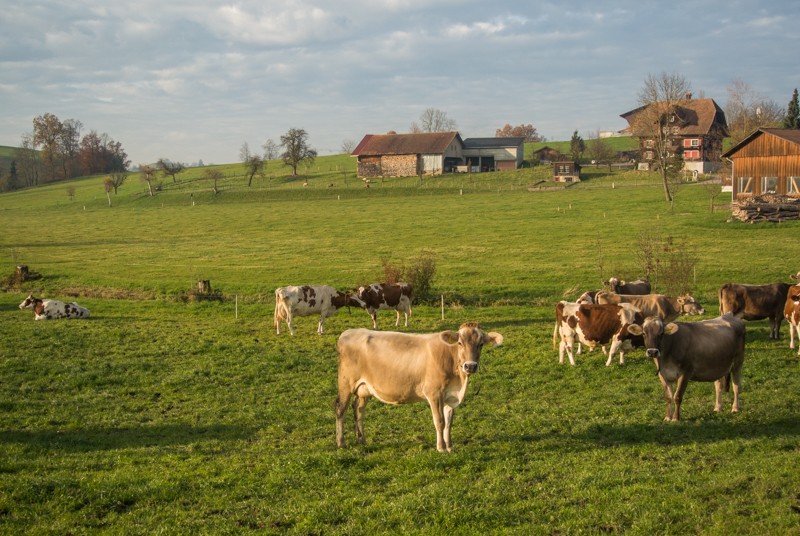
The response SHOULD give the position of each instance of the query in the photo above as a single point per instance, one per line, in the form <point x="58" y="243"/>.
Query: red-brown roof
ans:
<point x="698" y="116"/>
<point x="425" y="143"/>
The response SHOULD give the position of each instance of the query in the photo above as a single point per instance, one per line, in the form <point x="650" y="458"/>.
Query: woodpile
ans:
<point x="769" y="207"/>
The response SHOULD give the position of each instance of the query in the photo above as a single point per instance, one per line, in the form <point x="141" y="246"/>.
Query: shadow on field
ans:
<point x="688" y="431"/>
<point x="123" y="438"/>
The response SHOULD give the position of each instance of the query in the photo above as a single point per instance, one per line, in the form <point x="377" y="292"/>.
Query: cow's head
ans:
<point x="653" y="330"/>
<point x="613" y="283"/>
<point x="28" y="303"/>
<point x="689" y="306"/>
<point x="471" y="340"/>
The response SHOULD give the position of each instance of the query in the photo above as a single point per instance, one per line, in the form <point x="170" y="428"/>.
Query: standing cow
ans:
<point x="705" y="351"/>
<point x="755" y="302"/>
<point x="594" y="325"/>
<point x="51" y="309"/>
<point x="401" y="368"/>
<point x="386" y="296"/>
<point x="308" y="300"/>
<point x="621" y="286"/>
<point x="666" y="308"/>
<point x="791" y="311"/>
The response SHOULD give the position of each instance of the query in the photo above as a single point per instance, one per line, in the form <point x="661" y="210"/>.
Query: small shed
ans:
<point x="566" y="171"/>
<point x="546" y="155"/>
<point x="766" y="162"/>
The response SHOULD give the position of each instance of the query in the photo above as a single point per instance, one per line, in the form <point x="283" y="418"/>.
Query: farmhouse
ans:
<point x="566" y="171"/>
<point x="695" y="129"/>
<point x="766" y="162"/>
<point x="434" y="153"/>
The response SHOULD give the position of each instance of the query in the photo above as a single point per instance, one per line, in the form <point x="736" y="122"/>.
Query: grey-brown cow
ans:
<point x="401" y="368"/>
<point x="705" y="351"/>
<point x="664" y="307"/>
<point x="621" y="286"/>
<point x="754" y="302"/>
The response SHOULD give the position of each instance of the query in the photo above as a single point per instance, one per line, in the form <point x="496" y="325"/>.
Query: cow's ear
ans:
<point x="493" y="338"/>
<point x="622" y="282"/>
<point x="450" y="337"/>
<point x="670" y="328"/>
<point x="681" y="300"/>
<point x="635" y="329"/>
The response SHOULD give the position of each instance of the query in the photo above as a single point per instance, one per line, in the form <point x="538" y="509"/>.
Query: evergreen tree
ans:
<point x="792" y="119"/>
<point x="577" y="146"/>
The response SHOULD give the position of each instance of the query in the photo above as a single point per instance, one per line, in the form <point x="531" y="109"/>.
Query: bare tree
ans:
<point x="348" y="146"/>
<point x="28" y="164"/>
<point x="747" y="111"/>
<point x="108" y="185"/>
<point x="433" y="120"/>
<point x="270" y="150"/>
<point x="253" y="163"/>
<point x="71" y="192"/>
<point x="654" y="123"/>
<point x="148" y="175"/>
<point x="118" y="179"/>
<point x="215" y="175"/>
<point x="600" y="150"/>
<point x="296" y="149"/>
<point x="170" y="168"/>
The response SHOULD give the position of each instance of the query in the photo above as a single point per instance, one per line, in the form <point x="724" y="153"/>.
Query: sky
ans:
<point x="193" y="80"/>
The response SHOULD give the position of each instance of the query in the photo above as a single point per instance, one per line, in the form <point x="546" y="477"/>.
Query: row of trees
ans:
<point x="296" y="151"/>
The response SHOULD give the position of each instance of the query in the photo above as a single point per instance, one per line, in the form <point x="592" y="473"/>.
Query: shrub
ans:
<point x="419" y="273"/>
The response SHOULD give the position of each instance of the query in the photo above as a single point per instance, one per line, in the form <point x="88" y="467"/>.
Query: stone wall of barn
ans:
<point x="369" y="166"/>
<point x="399" y="165"/>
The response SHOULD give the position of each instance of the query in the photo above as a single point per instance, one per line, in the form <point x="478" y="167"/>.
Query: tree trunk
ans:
<point x="108" y="195"/>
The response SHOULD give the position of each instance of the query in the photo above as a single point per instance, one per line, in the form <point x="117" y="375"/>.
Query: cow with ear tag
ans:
<point x="705" y="351"/>
<point x="402" y="368"/>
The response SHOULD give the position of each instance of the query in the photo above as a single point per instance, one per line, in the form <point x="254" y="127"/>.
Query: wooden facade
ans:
<point x="766" y="162"/>
<point x="566" y="171"/>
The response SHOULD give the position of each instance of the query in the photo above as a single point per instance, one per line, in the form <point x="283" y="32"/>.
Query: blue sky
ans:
<point x="193" y="80"/>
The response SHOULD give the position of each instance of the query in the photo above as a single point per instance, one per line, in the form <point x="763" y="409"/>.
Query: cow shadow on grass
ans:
<point x="100" y="439"/>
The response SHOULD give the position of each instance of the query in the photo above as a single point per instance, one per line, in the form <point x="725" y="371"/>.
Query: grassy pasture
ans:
<point x="156" y="415"/>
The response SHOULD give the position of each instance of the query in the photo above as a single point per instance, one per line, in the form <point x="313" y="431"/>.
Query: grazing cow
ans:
<point x="754" y="302"/>
<point x="383" y="296"/>
<point x="308" y="300"/>
<point x="791" y="311"/>
<point x="665" y="308"/>
<point x="594" y="325"/>
<point x="705" y="351"/>
<point x="621" y="286"/>
<point x="50" y="309"/>
<point x="587" y="297"/>
<point x="401" y="368"/>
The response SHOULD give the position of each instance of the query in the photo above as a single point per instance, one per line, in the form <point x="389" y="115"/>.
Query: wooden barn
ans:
<point x="406" y="155"/>
<point x="566" y="171"/>
<point x="766" y="162"/>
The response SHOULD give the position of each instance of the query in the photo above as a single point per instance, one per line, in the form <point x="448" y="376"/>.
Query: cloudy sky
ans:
<point x="193" y="80"/>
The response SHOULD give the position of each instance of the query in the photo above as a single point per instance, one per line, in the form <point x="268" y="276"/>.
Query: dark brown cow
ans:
<point x="594" y="325"/>
<point x="665" y="308"/>
<point x="791" y="311"/>
<point x="705" y="351"/>
<point x="755" y="302"/>
<point x="386" y="296"/>
<point x="620" y="286"/>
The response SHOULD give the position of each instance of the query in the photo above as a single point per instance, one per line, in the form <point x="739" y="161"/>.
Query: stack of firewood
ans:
<point x="774" y="208"/>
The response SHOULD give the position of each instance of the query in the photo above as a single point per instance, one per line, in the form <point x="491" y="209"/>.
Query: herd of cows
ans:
<point x="401" y="368"/>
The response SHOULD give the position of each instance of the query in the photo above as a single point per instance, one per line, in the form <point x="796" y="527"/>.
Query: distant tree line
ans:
<point x="55" y="151"/>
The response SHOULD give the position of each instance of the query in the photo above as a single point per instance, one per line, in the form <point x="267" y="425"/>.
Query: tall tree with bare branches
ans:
<point x="433" y="120"/>
<point x="296" y="149"/>
<point x="148" y="175"/>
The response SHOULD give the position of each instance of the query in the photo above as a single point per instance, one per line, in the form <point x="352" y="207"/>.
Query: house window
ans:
<point x="648" y="144"/>
<point x="691" y="154"/>
<point x="769" y="185"/>
<point x="648" y="155"/>
<point x="745" y="185"/>
<point x="563" y="169"/>
<point x="793" y="185"/>
<point x="691" y="142"/>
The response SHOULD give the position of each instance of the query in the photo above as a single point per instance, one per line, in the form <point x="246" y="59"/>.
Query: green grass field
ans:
<point x="161" y="416"/>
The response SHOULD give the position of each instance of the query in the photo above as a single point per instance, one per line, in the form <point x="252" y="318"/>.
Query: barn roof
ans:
<point x="424" y="143"/>
<point x="697" y="116"/>
<point x="492" y="143"/>
<point x="788" y="134"/>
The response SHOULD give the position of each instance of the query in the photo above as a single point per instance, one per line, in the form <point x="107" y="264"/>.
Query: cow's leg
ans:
<point x="736" y="380"/>
<point x="775" y="326"/>
<point x="359" y="403"/>
<point x="667" y="395"/>
<point x="397" y="321"/>
<point x="719" y="386"/>
<point x="448" y="423"/>
<point x="289" y="322"/>
<point x="797" y="327"/>
<point x="342" y="400"/>
<point x="680" y="388"/>
<point x="438" y="420"/>
<point x="374" y="315"/>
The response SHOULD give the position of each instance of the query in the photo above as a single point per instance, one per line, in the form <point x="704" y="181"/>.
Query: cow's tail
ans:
<point x="555" y="331"/>
<point x="279" y="314"/>
<point x="726" y="383"/>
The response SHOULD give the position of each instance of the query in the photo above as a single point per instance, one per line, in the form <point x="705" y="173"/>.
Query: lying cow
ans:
<point x="791" y="311"/>
<point x="594" y="325"/>
<point x="386" y="296"/>
<point x="308" y="300"/>
<point x="400" y="368"/>
<point x="51" y="309"/>
<point x="705" y="351"/>
<point x="665" y="308"/>
<point x="755" y="302"/>
<point x="621" y="286"/>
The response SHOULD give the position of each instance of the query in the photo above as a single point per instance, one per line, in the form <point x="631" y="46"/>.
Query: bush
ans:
<point x="419" y="273"/>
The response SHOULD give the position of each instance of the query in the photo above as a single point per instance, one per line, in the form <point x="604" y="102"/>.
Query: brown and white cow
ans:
<point x="52" y="309"/>
<point x="594" y="325"/>
<point x="308" y="300"/>
<point x="755" y="302"/>
<point x="665" y="308"/>
<point x="401" y="368"/>
<point x="620" y="286"/>
<point x="386" y="296"/>
<point x="791" y="311"/>
<point x="705" y="351"/>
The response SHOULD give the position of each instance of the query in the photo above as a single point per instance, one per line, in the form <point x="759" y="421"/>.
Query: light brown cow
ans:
<point x="401" y="368"/>
<point x="665" y="308"/>
<point x="791" y="311"/>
